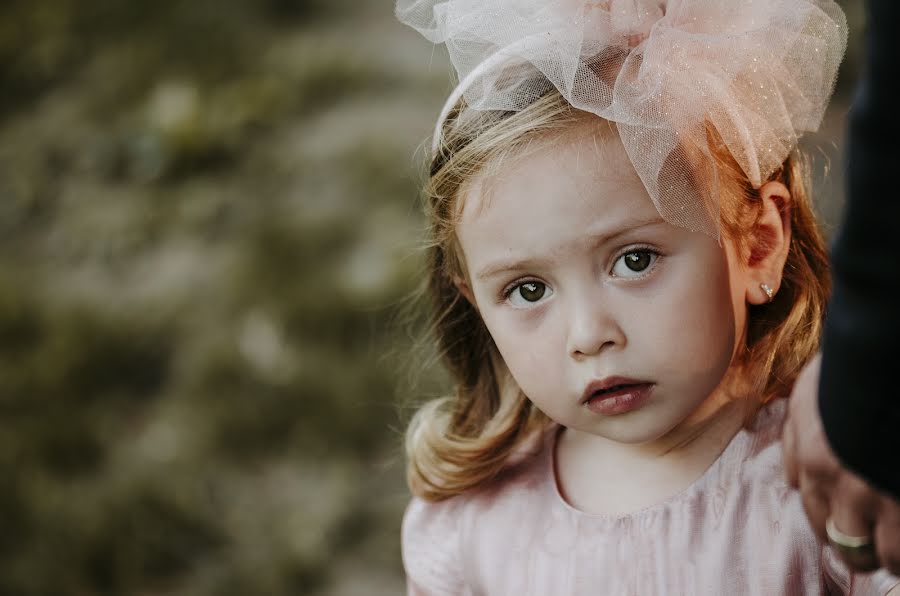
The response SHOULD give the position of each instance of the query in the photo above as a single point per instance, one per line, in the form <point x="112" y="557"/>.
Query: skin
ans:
<point x="561" y="224"/>
<point x="829" y="489"/>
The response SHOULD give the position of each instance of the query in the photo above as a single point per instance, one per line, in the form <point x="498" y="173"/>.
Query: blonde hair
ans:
<point x="463" y="440"/>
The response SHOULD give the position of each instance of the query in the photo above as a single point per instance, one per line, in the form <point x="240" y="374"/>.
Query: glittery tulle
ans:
<point x="758" y="73"/>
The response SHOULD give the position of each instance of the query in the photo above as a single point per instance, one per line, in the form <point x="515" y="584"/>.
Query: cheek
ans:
<point x="698" y="323"/>
<point x="529" y="344"/>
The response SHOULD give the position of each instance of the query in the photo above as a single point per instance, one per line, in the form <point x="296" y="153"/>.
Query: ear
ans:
<point x="465" y="289"/>
<point x="769" y="243"/>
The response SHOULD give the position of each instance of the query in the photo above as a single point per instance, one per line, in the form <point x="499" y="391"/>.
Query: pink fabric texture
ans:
<point x="739" y="529"/>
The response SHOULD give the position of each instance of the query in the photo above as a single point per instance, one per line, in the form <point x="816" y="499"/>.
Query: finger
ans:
<point x="815" y="503"/>
<point x="860" y="558"/>
<point x="855" y="503"/>
<point x="887" y="535"/>
<point x="853" y="511"/>
<point x="789" y="454"/>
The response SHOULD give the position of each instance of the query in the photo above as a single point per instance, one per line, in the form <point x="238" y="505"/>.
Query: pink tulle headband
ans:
<point x="759" y="72"/>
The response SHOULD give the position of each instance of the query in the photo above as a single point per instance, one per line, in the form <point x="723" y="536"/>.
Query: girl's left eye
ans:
<point x="634" y="263"/>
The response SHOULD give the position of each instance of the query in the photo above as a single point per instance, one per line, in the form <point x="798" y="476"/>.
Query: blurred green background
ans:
<point x="209" y="226"/>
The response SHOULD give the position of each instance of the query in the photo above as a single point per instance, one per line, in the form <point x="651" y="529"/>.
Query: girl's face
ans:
<point x="582" y="285"/>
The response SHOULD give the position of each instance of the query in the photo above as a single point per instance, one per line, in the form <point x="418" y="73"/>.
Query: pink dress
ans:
<point x="739" y="529"/>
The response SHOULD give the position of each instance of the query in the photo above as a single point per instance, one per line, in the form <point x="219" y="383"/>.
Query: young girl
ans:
<point x="626" y="275"/>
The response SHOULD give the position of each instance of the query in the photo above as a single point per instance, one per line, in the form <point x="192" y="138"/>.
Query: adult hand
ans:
<point x="830" y="491"/>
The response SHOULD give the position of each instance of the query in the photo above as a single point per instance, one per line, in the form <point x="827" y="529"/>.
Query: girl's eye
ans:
<point x="634" y="263"/>
<point x="528" y="293"/>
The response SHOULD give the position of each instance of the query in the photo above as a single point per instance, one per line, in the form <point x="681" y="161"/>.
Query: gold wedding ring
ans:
<point x="859" y="551"/>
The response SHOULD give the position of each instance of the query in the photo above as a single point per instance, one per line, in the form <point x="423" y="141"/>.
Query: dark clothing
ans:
<point x="859" y="398"/>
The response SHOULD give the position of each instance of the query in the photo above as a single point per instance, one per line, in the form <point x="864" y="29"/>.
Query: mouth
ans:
<point x="616" y="395"/>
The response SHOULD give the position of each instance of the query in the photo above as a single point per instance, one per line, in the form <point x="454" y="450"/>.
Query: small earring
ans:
<point x="770" y="293"/>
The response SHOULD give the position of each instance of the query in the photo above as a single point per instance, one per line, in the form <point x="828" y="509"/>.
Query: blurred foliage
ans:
<point x="208" y="221"/>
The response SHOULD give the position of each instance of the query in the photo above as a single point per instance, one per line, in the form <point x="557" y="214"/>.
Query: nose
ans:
<point x="594" y="324"/>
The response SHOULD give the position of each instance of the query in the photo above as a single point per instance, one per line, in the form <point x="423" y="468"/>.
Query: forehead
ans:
<point x="553" y="203"/>
<point x="584" y="172"/>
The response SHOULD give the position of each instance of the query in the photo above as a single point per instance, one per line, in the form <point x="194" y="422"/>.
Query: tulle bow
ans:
<point x="759" y="73"/>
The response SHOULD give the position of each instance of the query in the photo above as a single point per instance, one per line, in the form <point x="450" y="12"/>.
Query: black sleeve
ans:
<point x="858" y="389"/>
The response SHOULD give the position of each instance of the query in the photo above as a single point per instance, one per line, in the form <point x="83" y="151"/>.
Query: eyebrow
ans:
<point x="597" y="240"/>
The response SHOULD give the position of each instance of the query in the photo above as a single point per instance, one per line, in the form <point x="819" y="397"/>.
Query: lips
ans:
<point x="616" y="395"/>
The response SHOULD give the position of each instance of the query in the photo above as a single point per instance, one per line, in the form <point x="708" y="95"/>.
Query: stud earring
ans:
<point x="770" y="293"/>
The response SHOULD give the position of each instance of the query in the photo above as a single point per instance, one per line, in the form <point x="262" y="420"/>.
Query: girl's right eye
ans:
<point x="528" y="293"/>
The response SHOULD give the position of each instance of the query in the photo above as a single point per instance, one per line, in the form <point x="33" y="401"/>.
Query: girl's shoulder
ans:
<point x="431" y="547"/>
<point x="767" y="423"/>
<point x="756" y="448"/>
<point x="753" y="458"/>
<point x="438" y="536"/>
<point x="521" y="485"/>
